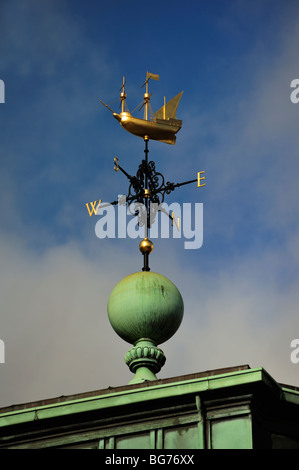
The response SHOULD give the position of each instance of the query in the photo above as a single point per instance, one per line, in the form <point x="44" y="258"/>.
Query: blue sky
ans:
<point x="235" y="61"/>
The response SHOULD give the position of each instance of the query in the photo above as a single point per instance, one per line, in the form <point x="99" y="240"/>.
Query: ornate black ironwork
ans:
<point x="146" y="194"/>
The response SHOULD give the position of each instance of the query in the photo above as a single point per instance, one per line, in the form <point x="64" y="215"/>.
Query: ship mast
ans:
<point x="146" y="97"/>
<point x="123" y="96"/>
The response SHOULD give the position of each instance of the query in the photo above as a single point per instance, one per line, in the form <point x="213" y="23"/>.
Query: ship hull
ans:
<point x="160" y="129"/>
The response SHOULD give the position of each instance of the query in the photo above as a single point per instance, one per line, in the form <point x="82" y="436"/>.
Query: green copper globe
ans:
<point x="145" y="305"/>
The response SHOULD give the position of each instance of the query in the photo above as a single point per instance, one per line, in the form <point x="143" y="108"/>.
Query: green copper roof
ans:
<point x="133" y="394"/>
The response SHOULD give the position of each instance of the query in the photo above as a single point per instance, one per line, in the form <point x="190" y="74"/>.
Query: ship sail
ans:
<point x="168" y="111"/>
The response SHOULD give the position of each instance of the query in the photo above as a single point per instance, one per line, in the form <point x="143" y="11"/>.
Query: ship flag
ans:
<point x="153" y="76"/>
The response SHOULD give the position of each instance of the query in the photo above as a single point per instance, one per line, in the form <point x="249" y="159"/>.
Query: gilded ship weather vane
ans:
<point x="148" y="188"/>
<point x="161" y="126"/>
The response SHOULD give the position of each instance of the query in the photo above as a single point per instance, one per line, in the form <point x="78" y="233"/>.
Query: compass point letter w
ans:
<point x="93" y="208"/>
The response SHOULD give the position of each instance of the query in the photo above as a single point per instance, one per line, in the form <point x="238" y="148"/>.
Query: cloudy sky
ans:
<point x="235" y="61"/>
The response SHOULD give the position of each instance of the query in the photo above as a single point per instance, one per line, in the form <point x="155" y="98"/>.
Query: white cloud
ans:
<point x="54" y="324"/>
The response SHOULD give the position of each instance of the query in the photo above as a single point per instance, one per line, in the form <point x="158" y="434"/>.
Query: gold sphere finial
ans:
<point x="146" y="246"/>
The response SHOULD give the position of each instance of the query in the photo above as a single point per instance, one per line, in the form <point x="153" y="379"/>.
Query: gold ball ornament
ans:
<point x="146" y="246"/>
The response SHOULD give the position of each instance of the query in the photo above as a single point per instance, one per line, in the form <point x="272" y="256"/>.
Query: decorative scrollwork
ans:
<point x="146" y="194"/>
<point x="155" y="182"/>
<point x="147" y="191"/>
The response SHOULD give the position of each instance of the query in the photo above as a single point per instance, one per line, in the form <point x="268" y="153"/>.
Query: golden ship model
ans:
<point x="161" y="125"/>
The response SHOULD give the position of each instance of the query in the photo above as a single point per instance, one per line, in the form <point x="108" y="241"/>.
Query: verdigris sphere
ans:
<point x="145" y="305"/>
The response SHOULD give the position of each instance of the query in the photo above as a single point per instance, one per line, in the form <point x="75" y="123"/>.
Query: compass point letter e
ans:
<point x="199" y="178"/>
